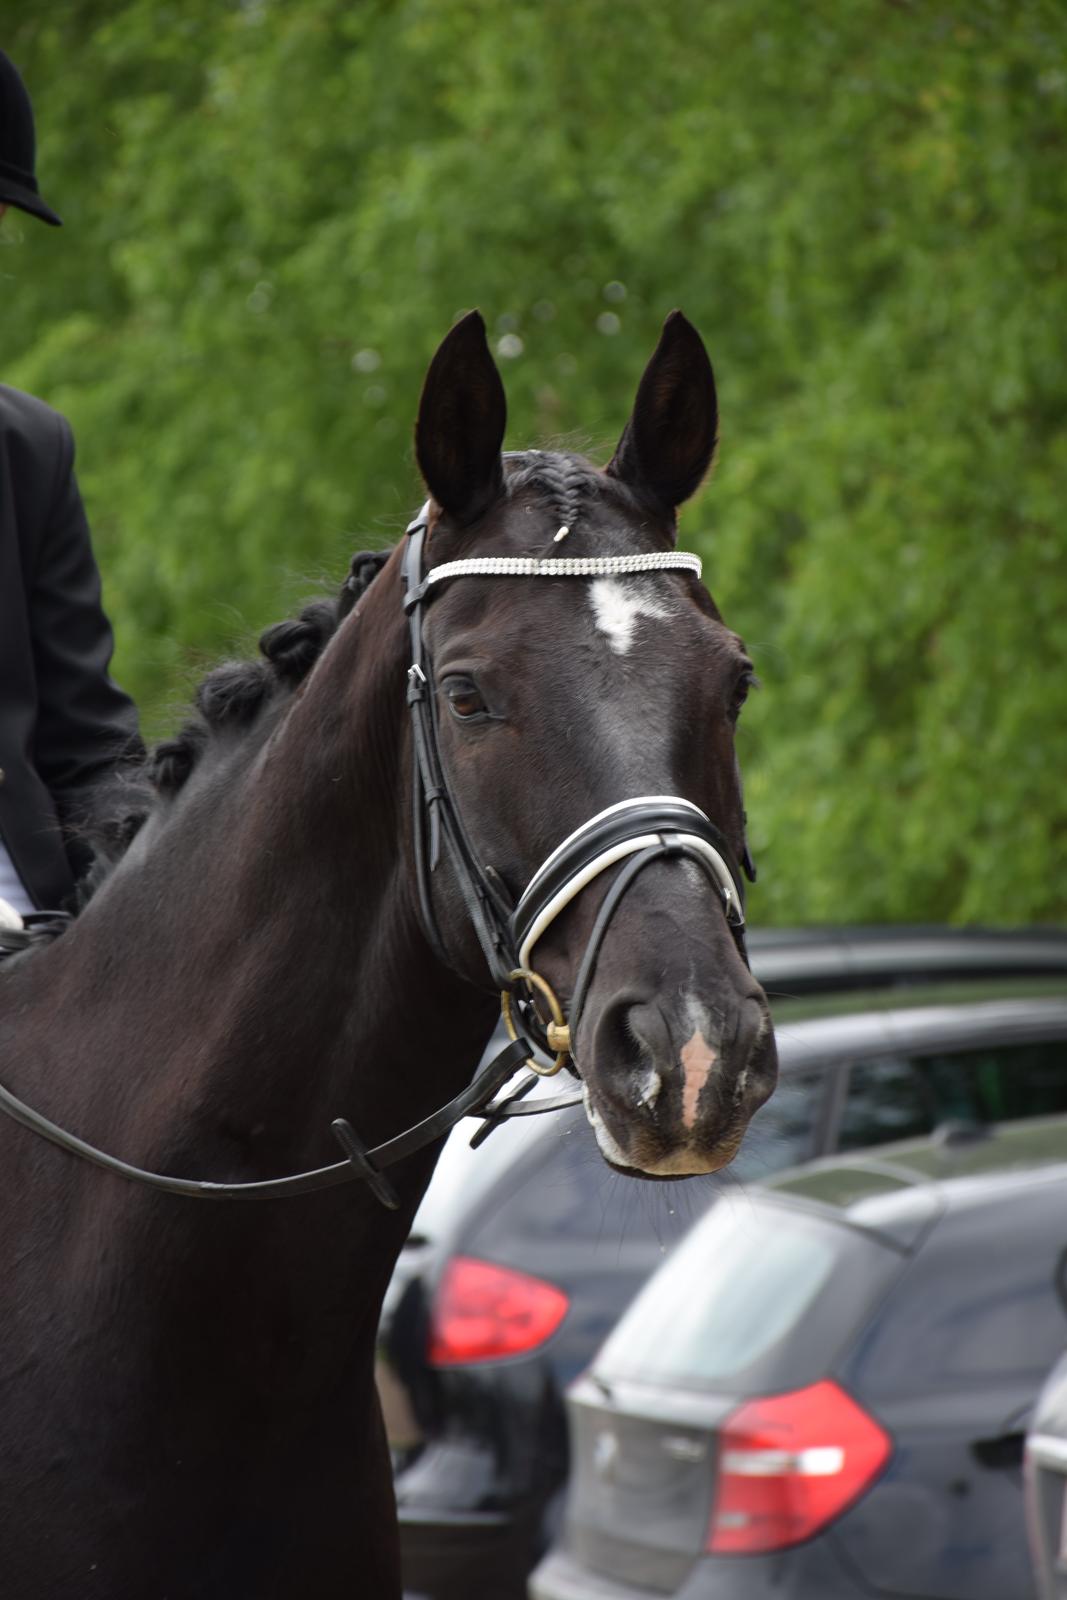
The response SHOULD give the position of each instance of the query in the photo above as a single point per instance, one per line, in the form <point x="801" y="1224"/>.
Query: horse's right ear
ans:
<point x="460" y="428"/>
<point x="669" y="441"/>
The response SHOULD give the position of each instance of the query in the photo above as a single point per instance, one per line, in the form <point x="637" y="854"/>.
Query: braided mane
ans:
<point x="230" y="699"/>
<point x="233" y="695"/>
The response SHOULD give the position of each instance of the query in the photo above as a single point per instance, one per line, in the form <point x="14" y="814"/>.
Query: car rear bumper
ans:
<point x="560" y="1578"/>
<point x="475" y="1556"/>
<point x="811" y="1572"/>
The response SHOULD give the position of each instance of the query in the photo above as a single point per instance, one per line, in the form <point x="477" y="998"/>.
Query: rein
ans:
<point x="636" y="832"/>
<point x="359" y="1163"/>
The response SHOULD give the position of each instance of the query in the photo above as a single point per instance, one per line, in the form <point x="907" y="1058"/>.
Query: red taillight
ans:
<point x="482" y="1312"/>
<point x="789" y="1465"/>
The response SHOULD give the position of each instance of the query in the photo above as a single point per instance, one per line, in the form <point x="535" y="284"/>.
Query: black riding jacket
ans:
<point x="63" y="724"/>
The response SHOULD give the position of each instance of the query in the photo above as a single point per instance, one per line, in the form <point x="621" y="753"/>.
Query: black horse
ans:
<point x="187" y="1390"/>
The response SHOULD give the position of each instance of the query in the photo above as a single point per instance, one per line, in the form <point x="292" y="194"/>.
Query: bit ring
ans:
<point x="557" y="1031"/>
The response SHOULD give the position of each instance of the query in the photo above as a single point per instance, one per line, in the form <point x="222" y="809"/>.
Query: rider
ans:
<point x="65" y="728"/>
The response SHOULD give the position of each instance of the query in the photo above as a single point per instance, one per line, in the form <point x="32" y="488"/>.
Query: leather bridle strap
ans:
<point x="610" y="837"/>
<point x="435" y="812"/>
<point x="620" y="833"/>
<point x="667" y="847"/>
<point x="361" y="1162"/>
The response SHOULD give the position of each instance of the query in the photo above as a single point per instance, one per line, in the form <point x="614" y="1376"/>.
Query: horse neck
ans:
<point x="260" y="968"/>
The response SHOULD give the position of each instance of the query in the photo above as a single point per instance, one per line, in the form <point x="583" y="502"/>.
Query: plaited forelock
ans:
<point x="567" y="481"/>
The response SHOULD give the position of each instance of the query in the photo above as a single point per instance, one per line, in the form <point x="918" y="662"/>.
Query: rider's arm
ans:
<point x="86" y="726"/>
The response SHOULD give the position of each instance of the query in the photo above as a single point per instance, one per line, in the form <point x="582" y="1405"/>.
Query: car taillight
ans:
<point x="789" y="1465"/>
<point x="483" y="1311"/>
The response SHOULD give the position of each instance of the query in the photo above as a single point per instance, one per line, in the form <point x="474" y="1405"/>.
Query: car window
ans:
<point x="1000" y="1083"/>
<point x="887" y="1099"/>
<point x="782" y="1132"/>
<point x="903" y="1097"/>
<point x="756" y="1298"/>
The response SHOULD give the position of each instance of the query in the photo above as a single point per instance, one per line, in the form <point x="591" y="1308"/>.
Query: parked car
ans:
<point x="822" y="1393"/>
<point x="1046" y="1475"/>
<point x="526" y="1250"/>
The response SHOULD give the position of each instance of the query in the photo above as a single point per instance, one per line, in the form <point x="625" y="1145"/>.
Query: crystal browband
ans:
<point x="557" y="567"/>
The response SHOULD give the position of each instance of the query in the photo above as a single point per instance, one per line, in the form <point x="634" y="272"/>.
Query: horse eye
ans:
<point x="747" y="681"/>
<point x="464" y="699"/>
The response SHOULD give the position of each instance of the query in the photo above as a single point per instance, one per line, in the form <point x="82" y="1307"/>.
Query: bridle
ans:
<point x="631" y="834"/>
<point x="635" y="831"/>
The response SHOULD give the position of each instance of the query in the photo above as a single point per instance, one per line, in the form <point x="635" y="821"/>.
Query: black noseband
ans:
<point x="620" y="831"/>
<point x="636" y="833"/>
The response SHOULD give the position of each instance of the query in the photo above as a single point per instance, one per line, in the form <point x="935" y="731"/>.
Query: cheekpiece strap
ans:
<point x="436" y="819"/>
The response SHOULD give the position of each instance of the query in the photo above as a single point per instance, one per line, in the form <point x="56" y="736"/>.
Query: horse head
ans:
<point x="558" y="701"/>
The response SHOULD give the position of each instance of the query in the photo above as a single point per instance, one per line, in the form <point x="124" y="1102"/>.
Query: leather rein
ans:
<point x="631" y="835"/>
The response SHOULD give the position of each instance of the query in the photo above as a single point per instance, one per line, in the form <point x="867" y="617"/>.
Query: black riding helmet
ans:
<point x="18" y="185"/>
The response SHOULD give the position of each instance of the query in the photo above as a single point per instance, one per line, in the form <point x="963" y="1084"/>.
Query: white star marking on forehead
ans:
<point x="617" y="606"/>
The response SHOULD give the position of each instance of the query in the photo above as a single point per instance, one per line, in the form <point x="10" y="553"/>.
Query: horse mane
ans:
<point x="232" y="695"/>
<point x="230" y="699"/>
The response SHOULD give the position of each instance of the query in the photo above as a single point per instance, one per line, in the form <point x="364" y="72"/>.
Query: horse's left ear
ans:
<point x="667" y="445"/>
<point x="460" y="428"/>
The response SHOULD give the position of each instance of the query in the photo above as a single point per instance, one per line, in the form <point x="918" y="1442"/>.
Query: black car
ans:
<point x="525" y="1251"/>
<point x="1046" y="1475"/>
<point x="822" y="1394"/>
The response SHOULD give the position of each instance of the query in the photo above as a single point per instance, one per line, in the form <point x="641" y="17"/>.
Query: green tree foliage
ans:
<point x="274" y="210"/>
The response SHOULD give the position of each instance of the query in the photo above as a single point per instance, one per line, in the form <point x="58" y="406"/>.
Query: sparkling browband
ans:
<point x="563" y="566"/>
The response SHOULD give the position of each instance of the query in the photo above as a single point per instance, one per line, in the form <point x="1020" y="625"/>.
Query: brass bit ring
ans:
<point x="557" y="1031"/>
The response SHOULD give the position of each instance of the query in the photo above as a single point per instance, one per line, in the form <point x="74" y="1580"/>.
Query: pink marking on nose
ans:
<point x="698" y="1058"/>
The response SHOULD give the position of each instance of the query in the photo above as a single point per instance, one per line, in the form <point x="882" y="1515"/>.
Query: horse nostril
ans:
<point x="648" y="1029"/>
<point x="749" y="1024"/>
<point x="635" y="1039"/>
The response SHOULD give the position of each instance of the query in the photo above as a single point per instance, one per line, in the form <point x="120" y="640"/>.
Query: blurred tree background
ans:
<point x="275" y="208"/>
